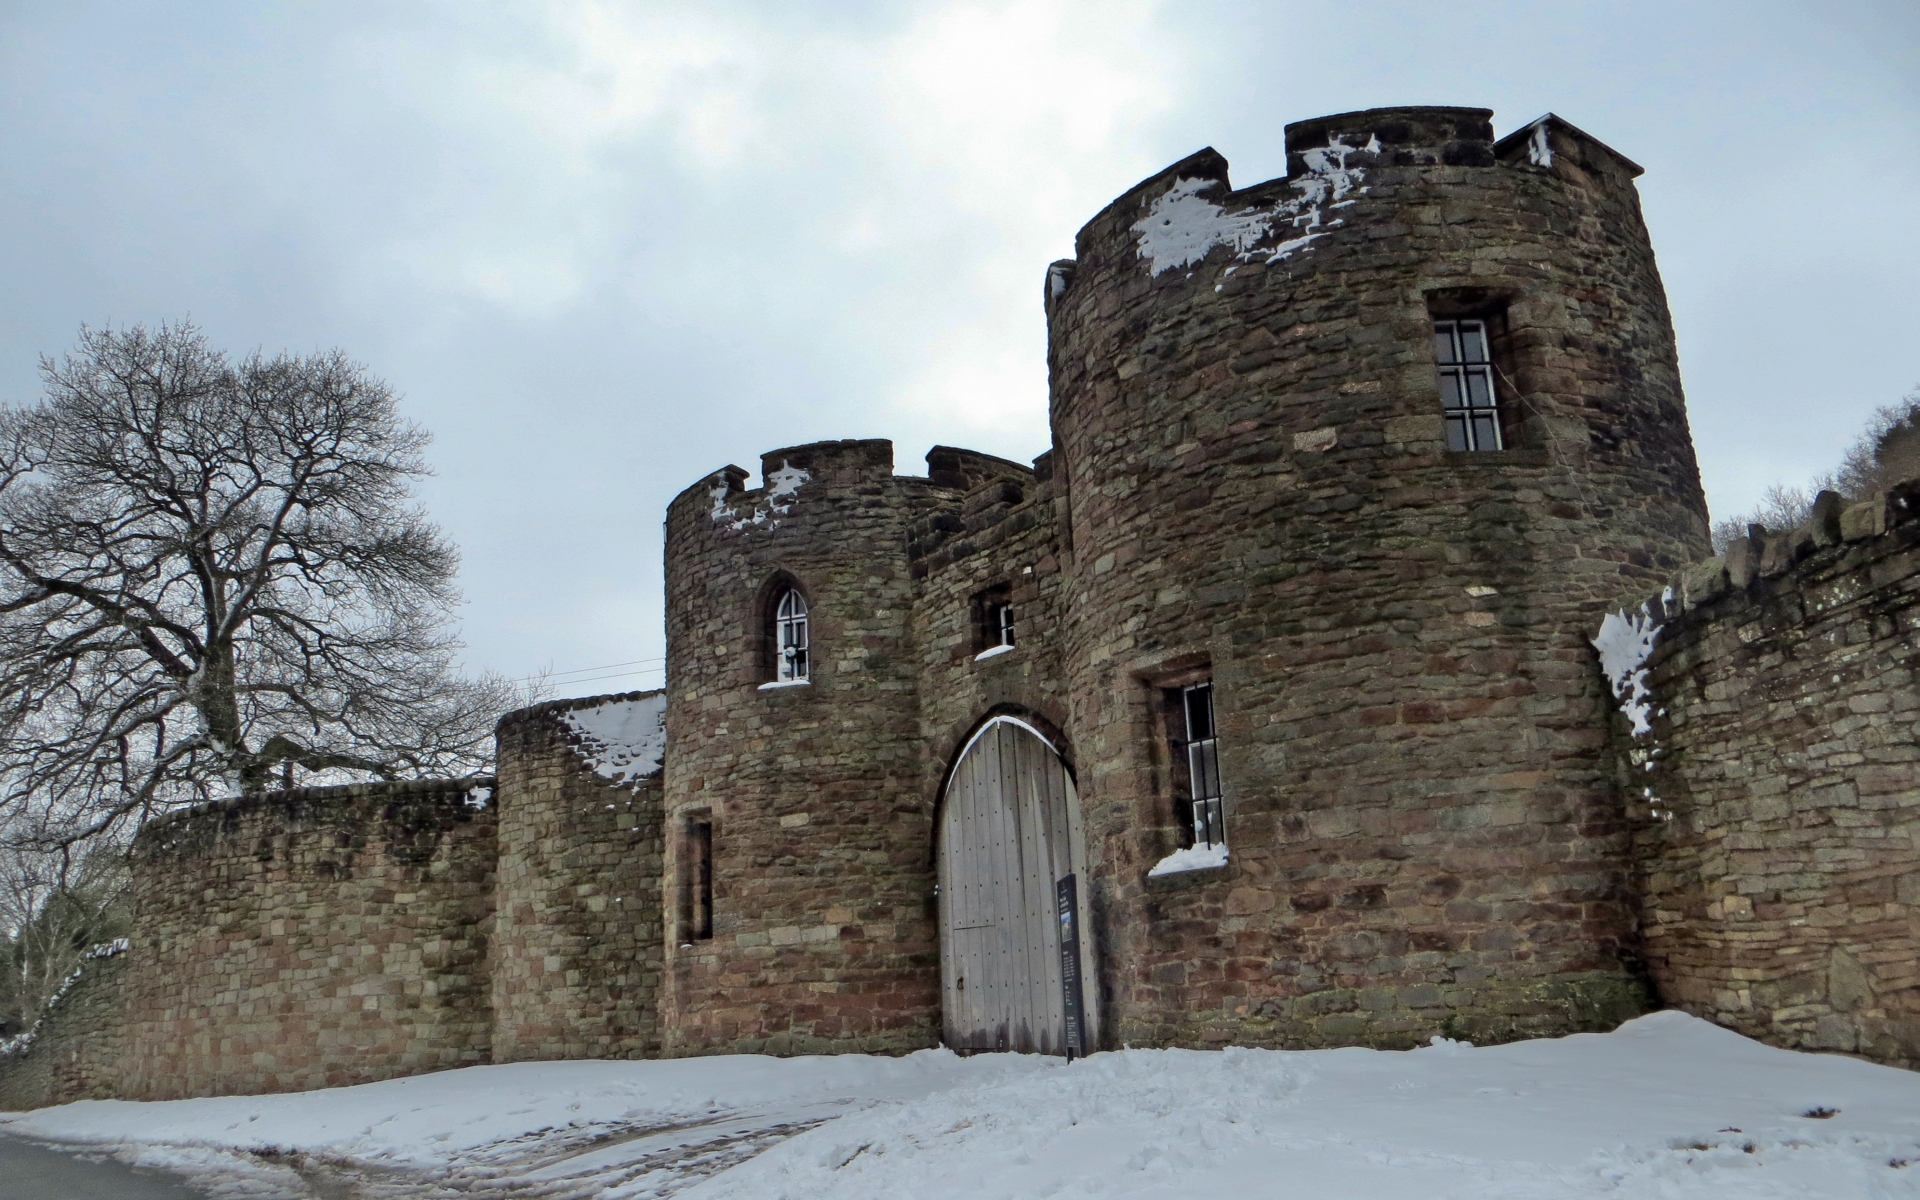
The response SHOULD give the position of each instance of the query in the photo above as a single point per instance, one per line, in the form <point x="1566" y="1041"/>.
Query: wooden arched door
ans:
<point x="1009" y="835"/>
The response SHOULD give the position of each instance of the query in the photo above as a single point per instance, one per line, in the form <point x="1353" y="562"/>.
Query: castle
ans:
<point x="1262" y="709"/>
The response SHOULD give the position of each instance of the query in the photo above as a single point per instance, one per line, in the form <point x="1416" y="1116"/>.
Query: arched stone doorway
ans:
<point x="1009" y="835"/>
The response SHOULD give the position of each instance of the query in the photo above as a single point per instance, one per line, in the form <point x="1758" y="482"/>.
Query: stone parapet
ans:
<point x="312" y="938"/>
<point x="1776" y="788"/>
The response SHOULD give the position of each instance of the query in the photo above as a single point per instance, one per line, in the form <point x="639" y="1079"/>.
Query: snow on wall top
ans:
<point x="783" y="486"/>
<point x="1182" y="227"/>
<point x="23" y="1041"/>
<point x="623" y="741"/>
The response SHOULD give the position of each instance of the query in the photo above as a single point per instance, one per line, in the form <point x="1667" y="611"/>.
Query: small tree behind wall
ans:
<point x="54" y="910"/>
<point x="211" y="573"/>
<point x="1886" y="452"/>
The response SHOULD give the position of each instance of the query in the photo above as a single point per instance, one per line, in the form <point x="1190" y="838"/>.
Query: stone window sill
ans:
<point x="1523" y="457"/>
<point x="1192" y="877"/>
<point x="1186" y="881"/>
<point x="779" y="684"/>
<point x="993" y="652"/>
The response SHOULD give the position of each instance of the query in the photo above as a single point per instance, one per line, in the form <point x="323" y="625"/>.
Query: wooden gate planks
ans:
<point x="1007" y="836"/>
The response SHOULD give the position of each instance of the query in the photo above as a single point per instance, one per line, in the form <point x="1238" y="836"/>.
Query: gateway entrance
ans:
<point x="1009" y="836"/>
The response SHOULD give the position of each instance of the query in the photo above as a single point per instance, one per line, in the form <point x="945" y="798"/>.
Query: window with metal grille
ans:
<point x="1202" y="746"/>
<point x="1467" y="395"/>
<point x="1003" y="624"/>
<point x="790" y="638"/>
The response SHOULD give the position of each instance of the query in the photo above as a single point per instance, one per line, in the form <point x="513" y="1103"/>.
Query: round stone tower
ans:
<point x="1267" y="491"/>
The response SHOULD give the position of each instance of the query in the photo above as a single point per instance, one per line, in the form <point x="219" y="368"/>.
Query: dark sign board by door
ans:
<point x="1066" y="894"/>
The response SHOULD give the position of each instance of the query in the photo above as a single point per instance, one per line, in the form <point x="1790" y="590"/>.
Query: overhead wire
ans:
<point x="586" y="670"/>
<point x="621" y="675"/>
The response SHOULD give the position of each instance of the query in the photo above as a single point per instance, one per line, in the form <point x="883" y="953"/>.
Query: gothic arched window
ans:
<point x="790" y="638"/>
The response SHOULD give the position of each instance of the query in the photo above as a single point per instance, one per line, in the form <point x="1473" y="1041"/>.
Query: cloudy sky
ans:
<point x="606" y="248"/>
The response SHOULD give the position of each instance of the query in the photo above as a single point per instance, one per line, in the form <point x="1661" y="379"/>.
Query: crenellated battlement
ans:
<point x="1402" y="137"/>
<point x="964" y="470"/>
<point x="1180" y="216"/>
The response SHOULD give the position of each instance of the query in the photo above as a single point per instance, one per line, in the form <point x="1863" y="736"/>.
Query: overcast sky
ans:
<point x="605" y="249"/>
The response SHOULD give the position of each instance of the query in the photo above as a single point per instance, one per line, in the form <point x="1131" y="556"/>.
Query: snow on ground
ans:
<point x="1667" y="1106"/>
<point x="552" y="1129"/>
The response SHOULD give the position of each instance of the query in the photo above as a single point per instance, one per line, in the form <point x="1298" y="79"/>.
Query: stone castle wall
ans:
<point x="1423" y="839"/>
<point x="332" y="936"/>
<point x="313" y="938"/>
<point x="1778" y="787"/>
<point x="577" y="949"/>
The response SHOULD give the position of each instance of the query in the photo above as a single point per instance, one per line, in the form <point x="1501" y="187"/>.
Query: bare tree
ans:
<point x="54" y="909"/>
<point x="1886" y="452"/>
<point x="212" y="573"/>
<point x="1781" y="507"/>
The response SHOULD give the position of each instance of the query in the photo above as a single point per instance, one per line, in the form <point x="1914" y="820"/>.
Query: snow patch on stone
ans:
<point x="1193" y="858"/>
<point x="1625" y="643"/>
<point x="1539" y="149"/>
<point x="624" y="741"/>
<point x="783" y="488"/>
<point x="23" y="1041"/>
<point x="1182" y="227"/>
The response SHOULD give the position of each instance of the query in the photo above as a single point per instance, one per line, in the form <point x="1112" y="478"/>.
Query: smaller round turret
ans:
<point x="798" y="879"/>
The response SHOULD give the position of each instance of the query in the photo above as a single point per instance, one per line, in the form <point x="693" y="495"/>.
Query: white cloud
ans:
<point x="574" y="232"/>
<point x="949" y="155"/>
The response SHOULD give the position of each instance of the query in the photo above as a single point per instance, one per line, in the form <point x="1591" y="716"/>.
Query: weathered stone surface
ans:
<point x="1864" y="519"/>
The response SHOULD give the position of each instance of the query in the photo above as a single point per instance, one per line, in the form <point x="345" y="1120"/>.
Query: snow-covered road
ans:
<point x="1667" y="1106"/>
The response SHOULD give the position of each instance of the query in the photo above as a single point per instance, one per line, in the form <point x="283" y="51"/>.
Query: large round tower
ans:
<point x="1365" y="449"/>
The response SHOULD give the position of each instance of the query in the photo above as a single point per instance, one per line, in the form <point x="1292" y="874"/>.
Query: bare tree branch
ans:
<point x="211" y="572"/>
<point x="54" y="909"/>
<point x="1886" y="452"/>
